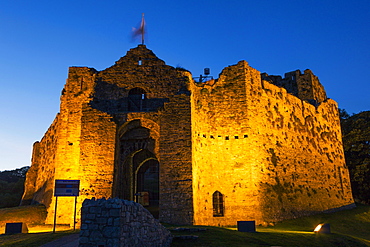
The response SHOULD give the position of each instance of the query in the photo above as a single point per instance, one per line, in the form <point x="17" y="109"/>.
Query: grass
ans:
<point x="354" y="223"/>
<point x="34" y="214"/>
<point x="31" y="215"/>
<point x="31" y="239"/>
<point x="349" y="228"/>
<point x="215" y="236"/>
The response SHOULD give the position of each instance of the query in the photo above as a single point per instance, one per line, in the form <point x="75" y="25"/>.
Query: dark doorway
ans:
<point x="137" y="167"/>
<point x="147" y="186"/>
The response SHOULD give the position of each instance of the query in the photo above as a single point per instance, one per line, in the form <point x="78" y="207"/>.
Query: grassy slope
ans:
<point x="354" y="223"/>
<point x="35" y="214"/>
<point x="349" y="228"/>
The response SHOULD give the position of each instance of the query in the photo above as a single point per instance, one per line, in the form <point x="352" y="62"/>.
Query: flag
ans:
<point x="140" y="30"/>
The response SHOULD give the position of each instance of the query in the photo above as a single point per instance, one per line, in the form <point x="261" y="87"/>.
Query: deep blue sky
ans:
<point x="40" y="39"/>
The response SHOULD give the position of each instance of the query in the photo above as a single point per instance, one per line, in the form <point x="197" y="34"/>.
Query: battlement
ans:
<point x="305" y="86"/>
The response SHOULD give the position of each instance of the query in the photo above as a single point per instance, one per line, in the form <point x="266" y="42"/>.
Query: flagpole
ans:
<point x="142" y="29"/>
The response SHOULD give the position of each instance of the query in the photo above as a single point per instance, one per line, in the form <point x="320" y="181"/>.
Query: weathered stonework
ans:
<point x="273" y="155"/>
<point x="116" y="223"/>
<point x="245" y="146"/>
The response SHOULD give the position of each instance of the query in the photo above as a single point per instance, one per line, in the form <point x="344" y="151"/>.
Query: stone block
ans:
<point x="117" y="222"/>
<point x="90" y="216"/>
<point x="19" y="227"/>
<point x="93" y="226"/>
<point x="111" y="232"/>
<point x="95" y="210"/>
<point x="114" y="212"/>
<point x="246" y="226"/>
<point x="101" y="221"/>
<point x="83" y="240"/>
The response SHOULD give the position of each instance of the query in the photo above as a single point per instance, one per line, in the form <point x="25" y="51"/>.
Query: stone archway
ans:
<point x="136" y="175"/>
<point x="146" y="185"/>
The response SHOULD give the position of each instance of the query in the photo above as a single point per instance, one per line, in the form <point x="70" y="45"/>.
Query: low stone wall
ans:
<point x="116" y="222"/>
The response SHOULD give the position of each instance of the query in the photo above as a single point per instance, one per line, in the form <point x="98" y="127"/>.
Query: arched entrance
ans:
<point x="137" y="168"/>
<point x="147" y="186"/>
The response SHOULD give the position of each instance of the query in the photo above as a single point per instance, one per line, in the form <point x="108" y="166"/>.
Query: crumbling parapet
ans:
<point x="305" y="86"/>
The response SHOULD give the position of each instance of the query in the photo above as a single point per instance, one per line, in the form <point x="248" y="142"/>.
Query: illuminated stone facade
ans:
<point x="246" y="146"/>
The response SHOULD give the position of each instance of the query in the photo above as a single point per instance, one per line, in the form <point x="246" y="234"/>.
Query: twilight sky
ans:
<point x="40" y="39"/>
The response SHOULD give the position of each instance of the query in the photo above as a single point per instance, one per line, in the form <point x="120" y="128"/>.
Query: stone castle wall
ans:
<point x="176" y="204"/>
<point x="39" y="182"/>
<point x="75" y="148"/>
<point x="272" y="155"/>
<point x="94" y="110"/>
<point x="271" y="147"/>
<point x="166" y="114"/>
<point x="305" y="86"/>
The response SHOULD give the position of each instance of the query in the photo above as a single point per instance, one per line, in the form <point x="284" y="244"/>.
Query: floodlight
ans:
<point x="318" y="227"/>
<point x="322" y="228"/>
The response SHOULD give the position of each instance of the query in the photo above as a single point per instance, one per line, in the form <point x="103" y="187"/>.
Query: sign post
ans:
<point x="66" y="188"/>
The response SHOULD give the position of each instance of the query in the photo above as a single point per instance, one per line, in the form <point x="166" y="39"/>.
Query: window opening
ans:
<point x="136" y="99"/>
<point x="218" y="204"/>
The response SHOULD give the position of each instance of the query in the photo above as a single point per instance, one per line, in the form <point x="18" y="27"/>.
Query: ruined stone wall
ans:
<point x="116" y="222"/>
<point x="39" y="182"/>
<point x="77" y="91"/>
<point x="305" y="86"/>
<point x="97" y="145"/>
<point x="176" y="204"/>
<point x="223" y="154"/>
<point x="271" y="148"/>
<point x="94" y="105"/>
<point x="303" y="167"/>
<point x="310" y="88"/>
<point x="140" y="68"/>
<point x="271" y="155"/>
<point x="167" y="116"/>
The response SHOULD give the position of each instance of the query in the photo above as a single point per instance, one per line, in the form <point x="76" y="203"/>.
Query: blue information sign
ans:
<point x="67" y="187"/>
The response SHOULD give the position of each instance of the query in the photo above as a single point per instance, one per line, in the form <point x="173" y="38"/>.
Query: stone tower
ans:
<point x="246" y="146"/>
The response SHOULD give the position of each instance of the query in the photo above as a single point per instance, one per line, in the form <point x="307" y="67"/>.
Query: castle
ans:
<point x="245" y="146"/>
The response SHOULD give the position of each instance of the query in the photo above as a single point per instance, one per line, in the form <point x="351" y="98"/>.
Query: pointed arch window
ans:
<point x="218" y="204"/>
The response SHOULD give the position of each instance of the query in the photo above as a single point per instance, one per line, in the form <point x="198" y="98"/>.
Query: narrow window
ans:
<point x="218" y="204"/>
<point x="140" y="62"/>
